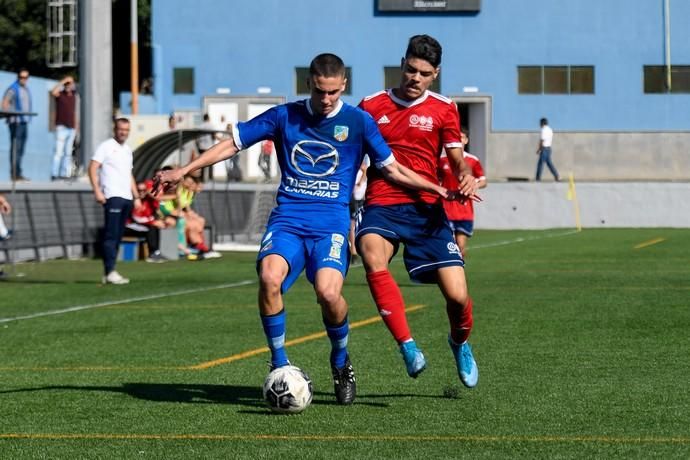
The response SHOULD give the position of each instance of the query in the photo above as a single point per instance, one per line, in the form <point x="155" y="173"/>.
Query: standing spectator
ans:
<point x="308" y="228"/>
<point x="66" y="123"/>
<point x="417" y="123"/>
<point x="460" y="213"/>
<point x="18" y="98"/>
<point x="544" y="150"/>
<point x="265" y="159"/>
<point x="110" y="172"/>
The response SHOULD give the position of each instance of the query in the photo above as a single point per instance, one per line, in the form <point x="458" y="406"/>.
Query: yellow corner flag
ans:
<point x="572" y="196"/>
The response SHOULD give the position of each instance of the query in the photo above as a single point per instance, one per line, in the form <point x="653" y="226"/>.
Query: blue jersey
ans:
<point x="319" y="157"/>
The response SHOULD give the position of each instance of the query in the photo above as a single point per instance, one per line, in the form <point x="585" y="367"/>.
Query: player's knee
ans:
<point x="270" y="280"/>
<point x="327" y="295"/>
<point x="373" y="260"/>
<point x="459" y="300"/>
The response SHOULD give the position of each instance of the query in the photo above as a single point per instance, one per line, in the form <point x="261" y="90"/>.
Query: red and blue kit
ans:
<point x="416" y="131"/>
<point x="456" y="209"/>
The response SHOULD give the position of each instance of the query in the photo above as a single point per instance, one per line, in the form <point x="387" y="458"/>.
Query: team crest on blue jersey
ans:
<point x="337" y="242"/>
<point x="340" y="133"/>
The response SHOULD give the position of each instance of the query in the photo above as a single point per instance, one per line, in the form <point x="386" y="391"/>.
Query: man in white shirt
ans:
<point x="544" y="150"/>
<point x="110" y="172"/>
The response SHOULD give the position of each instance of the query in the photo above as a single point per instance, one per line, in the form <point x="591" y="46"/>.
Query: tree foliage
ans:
<point x="23" y="37"/>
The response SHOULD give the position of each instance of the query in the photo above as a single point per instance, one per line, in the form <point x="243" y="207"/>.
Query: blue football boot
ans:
<point x="414" y="358"/>
<point x="467" y="366"/>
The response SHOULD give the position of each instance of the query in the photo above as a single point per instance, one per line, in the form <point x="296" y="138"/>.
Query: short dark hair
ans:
<point x="543" y="122"/>
<point x="121" y="120"/>
<point x="327" y="65"/>
<point x="424" y="47"/>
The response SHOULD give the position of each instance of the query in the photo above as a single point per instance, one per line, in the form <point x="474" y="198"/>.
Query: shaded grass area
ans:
<point x="581" y="341"/>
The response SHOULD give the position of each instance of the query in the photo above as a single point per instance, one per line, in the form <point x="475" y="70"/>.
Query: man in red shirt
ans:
<point x="417" y="124"/>
<point x="66" y="124"/>
<point x="144" y="221"/>
<point x="460" y="213"/>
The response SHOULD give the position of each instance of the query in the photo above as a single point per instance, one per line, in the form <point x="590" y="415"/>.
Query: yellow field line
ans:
<point x="306" y="338"/>
<point x="201" y="366"/>
<point x="359" y="438"/>
<point x="649" y="243"/>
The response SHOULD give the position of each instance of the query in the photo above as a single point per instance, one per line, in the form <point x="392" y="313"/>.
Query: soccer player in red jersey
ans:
<point x="460" y="213"/>
<point x="417" y="124"/>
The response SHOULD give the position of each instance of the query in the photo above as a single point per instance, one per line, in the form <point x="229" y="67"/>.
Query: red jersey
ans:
<point x="416" y="131"/>
<point x="457" y="210"/>
<point x="146" y="214"/>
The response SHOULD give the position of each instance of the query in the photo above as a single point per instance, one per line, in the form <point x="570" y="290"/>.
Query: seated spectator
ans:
<point x="144" y="222"/>
<point x="178" y="212"/>
<point x="170" y="208"/>
<point x="5" y="208"/>
<point x="195" y="223"/>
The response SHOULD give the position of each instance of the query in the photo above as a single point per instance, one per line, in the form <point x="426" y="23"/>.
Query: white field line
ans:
<point x="129" y="300"/>
<point x="238" y="284"/>
<point x="522" y="240"/>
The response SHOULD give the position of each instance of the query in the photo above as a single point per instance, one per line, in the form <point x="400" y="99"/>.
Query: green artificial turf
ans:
<point x="581" y="340"/>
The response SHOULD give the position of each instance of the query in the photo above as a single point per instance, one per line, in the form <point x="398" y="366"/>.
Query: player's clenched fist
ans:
<point x="166" y="181"/>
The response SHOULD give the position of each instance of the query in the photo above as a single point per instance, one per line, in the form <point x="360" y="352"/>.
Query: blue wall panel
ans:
<point x="244" y="45"/>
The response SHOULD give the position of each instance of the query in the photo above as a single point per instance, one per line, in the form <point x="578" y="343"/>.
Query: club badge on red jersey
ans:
<point x="424" y="123"/>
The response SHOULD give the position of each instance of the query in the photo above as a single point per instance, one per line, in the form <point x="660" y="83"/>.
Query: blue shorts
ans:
<point x="466" y="227"/>
<point x="422" y="228"/>
<point x="313" y="253"/>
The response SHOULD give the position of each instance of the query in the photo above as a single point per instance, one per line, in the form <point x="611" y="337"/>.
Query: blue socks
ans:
<point x="274" y="328"/>
<point x="338" y="335"/>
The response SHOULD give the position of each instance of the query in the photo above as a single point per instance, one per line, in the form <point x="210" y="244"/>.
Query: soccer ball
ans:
<point x="287" y="389"/>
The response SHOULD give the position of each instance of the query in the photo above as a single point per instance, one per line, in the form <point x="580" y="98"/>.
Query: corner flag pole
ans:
<point x="572" y="196"/>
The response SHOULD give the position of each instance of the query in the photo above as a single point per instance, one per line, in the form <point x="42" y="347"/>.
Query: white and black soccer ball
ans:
<point x="288" y="389"/>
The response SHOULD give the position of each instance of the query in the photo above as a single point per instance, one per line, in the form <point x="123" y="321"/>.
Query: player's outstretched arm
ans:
<point x="395" y="172"/>
<point x="223" y="150"/>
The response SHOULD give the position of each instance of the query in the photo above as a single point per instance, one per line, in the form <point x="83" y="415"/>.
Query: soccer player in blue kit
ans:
<point x="320" y="144"/>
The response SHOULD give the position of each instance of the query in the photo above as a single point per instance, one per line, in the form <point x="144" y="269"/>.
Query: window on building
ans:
<point x="555" y="79"/>
<point x="302" y="75"/>
<point x="582" y="80"/>
<point x="183" y="80"/>
<point x="529" y="80"/>
<point x="391" y="79"/>
<point x="655" y="79"/>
